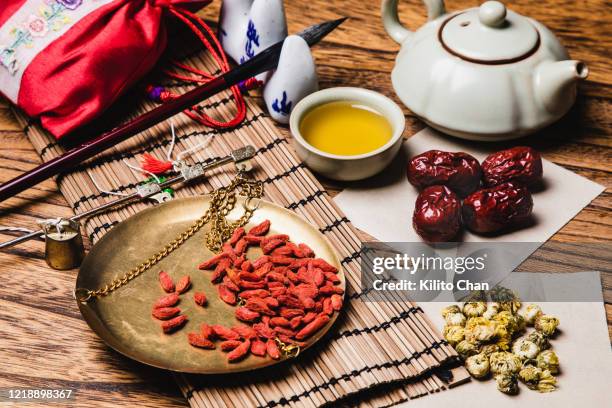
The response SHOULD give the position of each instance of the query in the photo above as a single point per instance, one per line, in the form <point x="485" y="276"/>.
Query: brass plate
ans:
<point x="123" y="319"/>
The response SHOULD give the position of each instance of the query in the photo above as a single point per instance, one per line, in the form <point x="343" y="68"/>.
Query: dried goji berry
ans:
<point x="295" y="322"/>
<point x="330" y="290"/>
<point x="174" y="324"/>
<point x="246" y="266"/>
<point x="230" y="284"/>
<point x="297" y="252"/>
<point x="259" y="262"/>
<point x="249" y="276"/>
<point x="332" y="277"/>
<point x="326" y="267"/>
<point x="200" y="298"/>
<point x="226" y="295"/>
<point x="183" y="284"/>
<point x="246" y="332"/>
<point x="271" y="302"/>
<point x="239" y="261"/>
<point x="277" y="277"/>
<point x="252" y="239"/>
<point x="167" y="301"/>
<point x="258" y="305"/>
<point x="165" y="313"/>
<point x="239" y="352"/>
<point x="336" y="302"/>
<point x="272" y="349"/>
<point x="206" y="331"/>
<point x="264" y="330"/>
<point x="236" y="235"/>
<point x="279" y="321"/>
<point x="319" y="277"/>
<point x="258" y="348"/>
<point x="246" y="315"/>
<point x="277" y="291"/>
<point x="220" y="270"/>
<point x="288" y="313"/>
<point x="212" y="262"/>
<point x="308" y="252"/>
<point x="269" y="246"/>
<point x="260" y="229"/>
<point x="281" y="260"/>
<point x="166" y="282"/>
<point x="312" y="327"/>
<point x="252" y="285"/>
<point x="260" y="293"/>
<point x="309" y="317"/>
<point x="241" y="246"/>
<point x="327" y="307"/>
<point x="284" y="330"/>
<point x="229" y="345"/>
<point x="282" y="251"/>
<point x="224" y="333"/>
<point x="233" y="274"/>
<point x="197" y="340"/>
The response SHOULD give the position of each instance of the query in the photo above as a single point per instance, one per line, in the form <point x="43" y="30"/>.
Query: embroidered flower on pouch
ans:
<point x="36" y="26"/>
<point x="70" y="4"/>
<point x="8" y="60"/>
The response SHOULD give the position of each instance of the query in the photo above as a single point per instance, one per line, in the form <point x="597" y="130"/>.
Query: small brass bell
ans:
<point x="63" y="244"/>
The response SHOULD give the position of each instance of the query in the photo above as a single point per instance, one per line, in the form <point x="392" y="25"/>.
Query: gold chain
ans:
<point x="223" y="201"/>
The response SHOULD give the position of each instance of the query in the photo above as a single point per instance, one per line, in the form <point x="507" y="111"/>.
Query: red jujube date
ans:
<point x="521" y="164"/>
<point x="437" y="214"/>
<point x="458" y="171"/>
<point x="492" y="209"/>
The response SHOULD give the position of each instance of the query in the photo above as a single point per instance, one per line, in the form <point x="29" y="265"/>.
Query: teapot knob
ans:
<point x="492" y="13"/>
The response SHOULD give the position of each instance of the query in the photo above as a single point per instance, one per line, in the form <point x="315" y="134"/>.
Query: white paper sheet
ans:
<point x="585" y="357"/>
<point x="382" y="206"/>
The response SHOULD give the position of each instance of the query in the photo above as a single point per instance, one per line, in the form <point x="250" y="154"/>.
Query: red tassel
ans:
<point x="155" y="166"/>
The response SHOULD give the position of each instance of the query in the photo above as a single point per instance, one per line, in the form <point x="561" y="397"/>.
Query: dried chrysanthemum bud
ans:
<point x="453" y="334"/>
<point x="504" y="362"/>
<point x="477" y="365"/>
<point x="449" y="310"/>
<point x="530" y="375"/>
<point x="507" y="383"/>
<point x="548" y="360"/>
<point x="547" y="382"/>
<point x="455" y="319"/>
<point x="474" y="309"/>
<point x="492" y="310"/>
<point x="512" y="323"/>
<point x="525" y="348"/>
<point x="539" y="339"/>
<point x="479" y="329"/>
<point x="546" y="324"/>
<point x="530" y="313"/>
<point x="466" y="349"/>
<point x="511" y="306"/>
<point x="489" y="349"/>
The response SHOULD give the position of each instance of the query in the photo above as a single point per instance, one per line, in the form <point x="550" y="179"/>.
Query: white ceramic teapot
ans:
<point x="485" y="73"/>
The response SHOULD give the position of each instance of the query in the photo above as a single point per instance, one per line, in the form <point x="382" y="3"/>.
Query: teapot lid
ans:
<point x="489" y="35"/>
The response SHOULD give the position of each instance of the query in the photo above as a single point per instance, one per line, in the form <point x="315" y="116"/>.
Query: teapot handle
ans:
<point x="395" y="29"/>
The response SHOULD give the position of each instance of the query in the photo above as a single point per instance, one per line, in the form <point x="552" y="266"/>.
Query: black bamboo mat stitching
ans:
<point x="382" y="326"/>
<point x="354" y="256"/>
<point x="28" y="125"/>
<point x="122" y="188"/>
<point x="104" y="227"/>
<point x="305" y="200"/>
<point x="287" y="173"/>
<point x="354" y="373"/>
<point x="47" y="147"/>
<point x="334" y="224"/>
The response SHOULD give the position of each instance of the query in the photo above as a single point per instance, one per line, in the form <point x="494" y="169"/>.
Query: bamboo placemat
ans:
<point x="373" y="344"/>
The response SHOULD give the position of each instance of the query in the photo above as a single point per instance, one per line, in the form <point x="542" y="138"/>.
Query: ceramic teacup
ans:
<point x="348" y="168"/>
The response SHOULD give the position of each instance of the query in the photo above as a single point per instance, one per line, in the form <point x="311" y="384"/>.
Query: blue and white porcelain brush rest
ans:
<point x="248" y="27"/>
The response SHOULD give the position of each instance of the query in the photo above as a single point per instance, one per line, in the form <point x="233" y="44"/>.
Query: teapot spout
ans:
<point x="555" y="83"/>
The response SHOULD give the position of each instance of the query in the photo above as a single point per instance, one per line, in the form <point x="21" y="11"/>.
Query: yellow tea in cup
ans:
<point x="345" y="128"/>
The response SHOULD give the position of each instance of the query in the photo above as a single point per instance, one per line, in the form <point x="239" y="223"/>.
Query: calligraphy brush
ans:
<point x="262" y="62"/>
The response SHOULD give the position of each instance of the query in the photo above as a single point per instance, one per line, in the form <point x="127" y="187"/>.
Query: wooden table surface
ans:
<point x="45" y="343"/>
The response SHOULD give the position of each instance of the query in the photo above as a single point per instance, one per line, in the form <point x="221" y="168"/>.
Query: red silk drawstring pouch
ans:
<point x="66" y="61"/>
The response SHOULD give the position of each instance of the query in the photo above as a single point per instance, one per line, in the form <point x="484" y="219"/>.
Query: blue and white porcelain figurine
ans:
<point x="248" y="27"/>
<point x="294" y="79"/>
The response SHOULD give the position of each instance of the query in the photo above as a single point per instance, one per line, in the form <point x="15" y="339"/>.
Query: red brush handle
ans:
<point x="89" y="149"/>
